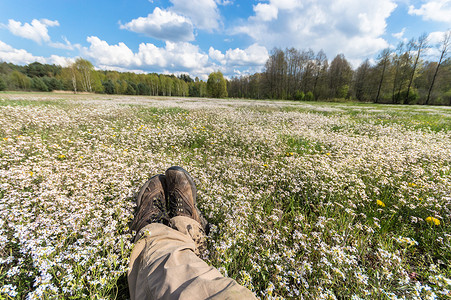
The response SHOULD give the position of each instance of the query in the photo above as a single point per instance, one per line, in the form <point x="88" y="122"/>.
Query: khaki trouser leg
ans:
<point x="163" y="265"/>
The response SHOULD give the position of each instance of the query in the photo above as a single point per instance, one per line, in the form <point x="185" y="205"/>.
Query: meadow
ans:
<point x="306" y="200"/>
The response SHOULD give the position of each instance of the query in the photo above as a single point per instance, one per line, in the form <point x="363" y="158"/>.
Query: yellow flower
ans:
<point x="380" y="203"/>
<point x="265" y="165"/>
<point x="61" y="156"/>
<point x="328" y="154"/>
<point x="432" y="221"/>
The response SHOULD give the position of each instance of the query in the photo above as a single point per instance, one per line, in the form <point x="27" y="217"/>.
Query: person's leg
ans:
<point x="163" y="264"/>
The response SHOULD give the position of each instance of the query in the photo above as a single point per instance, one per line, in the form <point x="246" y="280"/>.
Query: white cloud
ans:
<point x="173" y="57"/>
<point x="240" y="61"/>
<point x="255" y="55"/>
<point x="224" y="2"/>
<point x="163" y="25"/>
<point x="66" y="45"/>
<point x="400" y="35"/>
<point x="434" y="10"/>
<point x="436" y="37"/>
<point x="23" y="57"/>
<point x="36" y="31"/>
<point x="16" y="56"/>
<point x="110" y="55"/>
<point x="216" y="55"/>
<point x="352" y="27"/>
<point x="265" y="12"/>
<point x="203" y="13"/>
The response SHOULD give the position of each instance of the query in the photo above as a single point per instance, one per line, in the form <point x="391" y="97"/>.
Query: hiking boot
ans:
<point x="181" y="193"/>
<point x="151" y="204"/>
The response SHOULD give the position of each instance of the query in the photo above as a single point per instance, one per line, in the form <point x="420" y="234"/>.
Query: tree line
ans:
<point x="81" y="76"/>
<point x="399" y="76"/>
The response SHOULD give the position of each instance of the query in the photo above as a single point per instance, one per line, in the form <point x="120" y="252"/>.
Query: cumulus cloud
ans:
<point x="255" y="55"/>
<point x="265" y="12"/>
<point x="173" y="57"/>
<point x="163" y="25"/>
<point x="16" y="56"/>
<point x="434" y="10"/>
<point x="352" y="27"/>
<point x="436" y="37"/>
<point x="23" y="57"/>
<point x="110" y="55"/>
<point x="203" y="13"/>
<point x="216" y="55"/>
<point x="240" y="61"/>
<point x="180" y="57"/>
<point x="36" y="31"/>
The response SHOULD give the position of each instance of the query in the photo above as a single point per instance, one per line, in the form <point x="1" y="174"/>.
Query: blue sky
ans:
<point x="202" y="36"/>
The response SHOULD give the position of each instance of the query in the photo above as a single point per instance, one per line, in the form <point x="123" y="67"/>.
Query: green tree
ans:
<point x="20" y="80"/>
<point x="108" y="87"/>
<point x="38" y="84"/>
<point x="216" y="85"/>
<point x="131" y="88"/>
<point x="340" y="75"/>
<point x="52" y="83"/>
<point x="2" y="84"/>
<point x="86" y="77"/>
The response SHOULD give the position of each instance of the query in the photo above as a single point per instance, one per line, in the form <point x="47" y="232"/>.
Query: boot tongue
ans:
<point x="177" y="196"/>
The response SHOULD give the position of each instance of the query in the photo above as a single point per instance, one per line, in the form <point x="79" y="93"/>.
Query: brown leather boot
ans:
<point x="151" y="204"/>
<point x="181" y="192"/>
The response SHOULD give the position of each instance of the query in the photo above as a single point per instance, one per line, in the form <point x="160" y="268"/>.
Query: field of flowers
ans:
<point x="307" y="200"/>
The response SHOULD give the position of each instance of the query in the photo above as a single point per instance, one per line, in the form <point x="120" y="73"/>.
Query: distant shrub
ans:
<point x="299" y="96"/>
<point x="309" y="96"/>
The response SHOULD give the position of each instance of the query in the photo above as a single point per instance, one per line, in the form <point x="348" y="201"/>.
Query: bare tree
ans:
<point x="406" y="59"/>
<point x="275" y="74"/>
<point x="420" y="45"/>
<point x="309" y="57"/>
<point x="320" y="68"/>
<point x="360" y="80"/>
<point x="73" y="73"/>
<point x="292" y="59"/>
<point x="384" y="60"/>
<point x="446" y="42"/>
